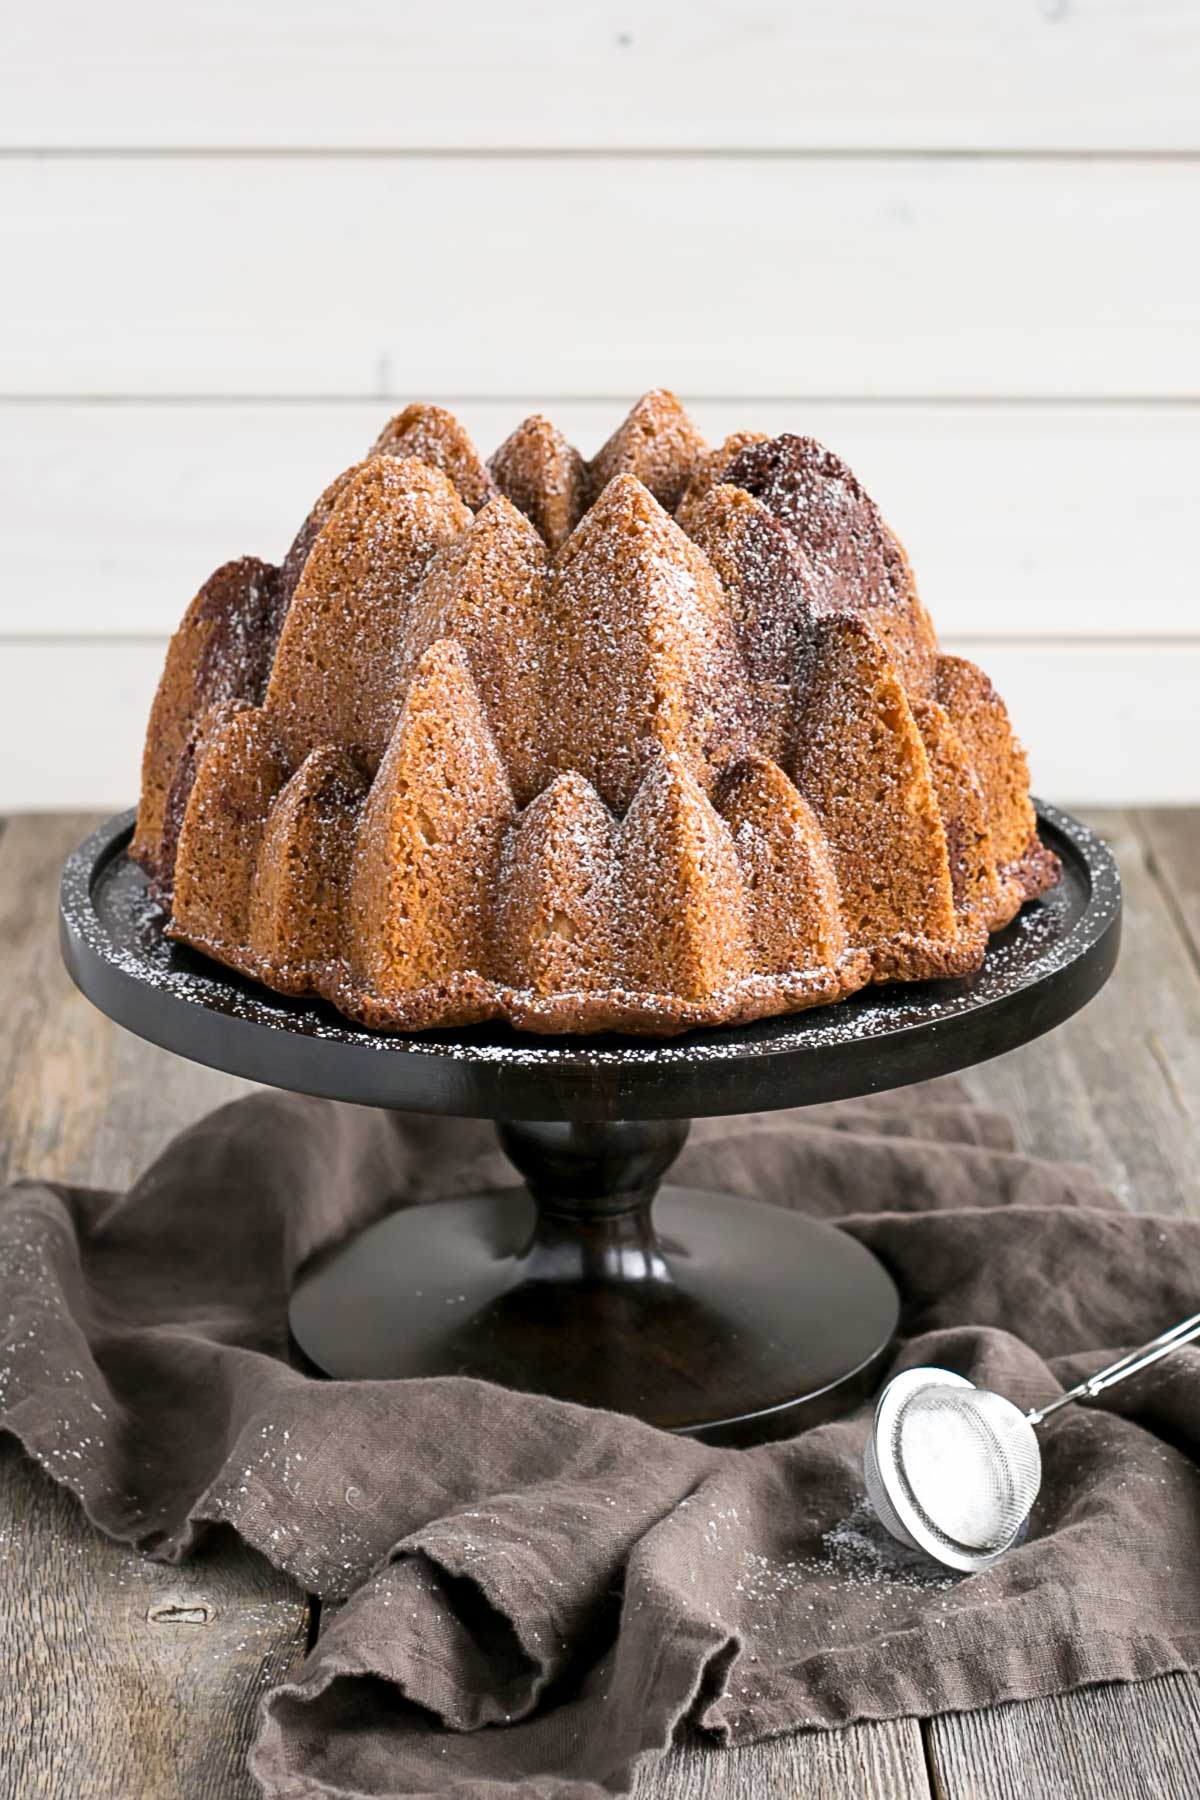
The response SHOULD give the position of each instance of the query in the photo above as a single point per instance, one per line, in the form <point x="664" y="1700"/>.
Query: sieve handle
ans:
<point x="1129" y="1364"/>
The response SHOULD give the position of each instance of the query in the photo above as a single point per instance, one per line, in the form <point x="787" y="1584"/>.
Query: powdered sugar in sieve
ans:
<point x="954" y="1470"/>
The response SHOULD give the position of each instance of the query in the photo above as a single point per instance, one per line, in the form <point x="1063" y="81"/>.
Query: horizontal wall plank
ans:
<point x="72" y="719"/>
<point x="1111" y="722"/>
<point x="1021" y="521"/>
<point x="719" y="275"/>
<point x="381" y="74"/>
<point x="1104" y="724"/>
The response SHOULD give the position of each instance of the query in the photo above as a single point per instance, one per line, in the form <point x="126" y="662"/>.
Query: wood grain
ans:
<point x="930" y="73"/>
<point x="867" y="1762"/>
<point x="125" y="1679"/>
<point x="1006" y="511"/>
<point x="1172" y="840"/>
<point x="359" y="276"/>
<point x="1118" y="1087"/>
<point x="1140" y="1742"/>
<point x="56" y="1052"/>
<point x="79" y="1100"/>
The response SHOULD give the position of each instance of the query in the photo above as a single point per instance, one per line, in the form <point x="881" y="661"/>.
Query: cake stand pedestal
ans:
<point x="702" y="1313"/>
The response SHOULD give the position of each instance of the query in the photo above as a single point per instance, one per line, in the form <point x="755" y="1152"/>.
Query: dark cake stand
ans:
<point x="716" y="1316"/>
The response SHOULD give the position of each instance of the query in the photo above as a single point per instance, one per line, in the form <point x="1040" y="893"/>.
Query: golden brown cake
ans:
<point x="656" y="741"/>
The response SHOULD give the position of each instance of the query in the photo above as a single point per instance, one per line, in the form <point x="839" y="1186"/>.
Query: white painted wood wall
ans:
<point x="957" y="239"/>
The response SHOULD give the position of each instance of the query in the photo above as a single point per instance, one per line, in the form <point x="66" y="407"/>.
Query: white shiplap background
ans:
<point x="957" y="239"/>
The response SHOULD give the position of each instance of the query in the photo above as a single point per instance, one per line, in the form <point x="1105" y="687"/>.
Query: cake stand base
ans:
<point x="717" y="1317"/>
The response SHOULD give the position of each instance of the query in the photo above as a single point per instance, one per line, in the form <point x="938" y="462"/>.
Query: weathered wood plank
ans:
<point x="125" y="1679"/>
<point x="1139" y="1742"/>
<point x="1118" y="1086"/>
<point x="1172" y="837"/>
<point x="56" y="1051"/>
<point x="79" y="1100"/>
<point x="866" y="1762"/>
<point x="116" y="1693"/>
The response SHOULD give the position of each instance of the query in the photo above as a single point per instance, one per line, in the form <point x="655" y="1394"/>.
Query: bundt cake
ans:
<point x="655" y="741"/>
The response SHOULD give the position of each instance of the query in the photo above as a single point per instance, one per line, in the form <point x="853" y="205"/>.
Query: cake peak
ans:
<point x="658" y="443"/>
<point x="435" y="436"/>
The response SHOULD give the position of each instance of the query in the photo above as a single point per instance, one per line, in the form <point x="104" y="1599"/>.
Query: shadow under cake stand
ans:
<point x="712" y="1315"/>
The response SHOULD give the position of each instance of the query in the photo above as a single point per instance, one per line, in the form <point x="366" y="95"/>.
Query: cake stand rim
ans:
<point x="306" y="1048"/>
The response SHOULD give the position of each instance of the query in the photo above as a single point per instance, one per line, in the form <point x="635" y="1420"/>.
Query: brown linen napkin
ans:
<point x="535" y="1594"/>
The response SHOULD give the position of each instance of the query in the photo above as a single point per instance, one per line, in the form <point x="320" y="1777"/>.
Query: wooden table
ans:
<point x="125" y="1680"/>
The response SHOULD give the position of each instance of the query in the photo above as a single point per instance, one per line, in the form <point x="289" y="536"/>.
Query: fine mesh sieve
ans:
<point x="970" y="1463"/>
<point x="954" y="1470"/>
